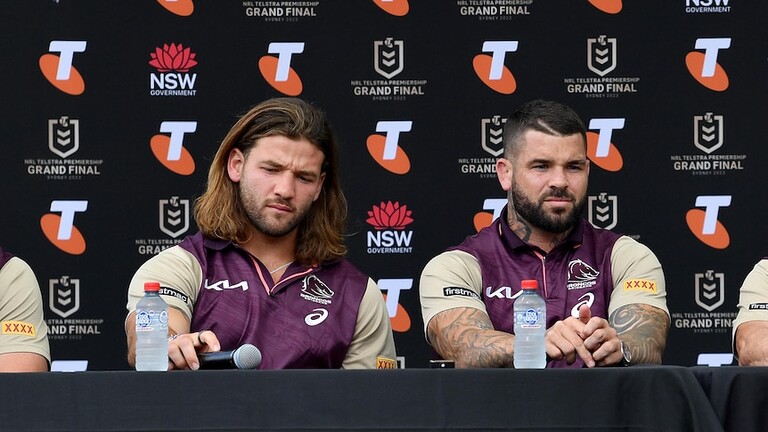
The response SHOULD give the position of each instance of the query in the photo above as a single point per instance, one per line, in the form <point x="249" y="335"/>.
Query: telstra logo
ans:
<point x="483" y="219"/>
<point x="178" y="7"/>
<point x="704" y="66"/>
<point x="170" y="151"/>
<point x="58" y="69"/>
<point x="385" y="149"/>
<point x="490" y="68"/>
<point x="607" y="6"/>
<point x="704" y="223"/>
<point x="61" y="230"/>
<point x="600" y="150"/>
<point x="393" y="7"/>
<point x="277" y="71"/>
<point x="398" y="316"/>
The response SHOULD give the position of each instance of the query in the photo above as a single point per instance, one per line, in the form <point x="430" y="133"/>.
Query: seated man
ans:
<point x="604" y="292"/>
<point x="267" y="267"/>
<point x="750" y="328"/>
<point x="23" y="333"/>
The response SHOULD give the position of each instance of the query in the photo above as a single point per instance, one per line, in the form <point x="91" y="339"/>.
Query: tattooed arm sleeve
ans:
<point x="466" y="335"/>
<point x="643" y="328"/>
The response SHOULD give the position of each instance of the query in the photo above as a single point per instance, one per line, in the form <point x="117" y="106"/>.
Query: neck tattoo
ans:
<point x="281" y="267"/>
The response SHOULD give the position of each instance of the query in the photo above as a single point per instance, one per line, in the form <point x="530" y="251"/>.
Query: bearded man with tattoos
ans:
<point x="605" y="292"/>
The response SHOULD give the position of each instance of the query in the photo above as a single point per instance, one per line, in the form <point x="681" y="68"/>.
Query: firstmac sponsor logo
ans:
<point x="491" y="68"/>
<point x="389" y="63"/>
<point x="64" y="143"/>
<point x="386" y="150"/>
<point x="277" y="71"/>
<point x="64" y="294"/>
<point x="707" y="6"/>
<point x="178" y="7"/>
<point x="172" y="63"/>
<point x="492" y="143"/>
<point x="498" y="10"/>
<point x="492" y="208"/>
<point x="58" y="66"/>
<point x="709" y="294"/>
<point x="704" y="224"/>
<point x="59" y="225"/>
<point x="704" y="67"/>
<point x="173" y="221"/>
<point x="389" y="221"/>
<point x="393" y="7"/>
<point x="398" y="315"/>
<point x="602" y="59"/>
<point x="168" y="146"/>
<point x="600" y="150"/>
<point x="608" y="6"/>
<point x="281" y="11"/>
<point x="709" y="136"/>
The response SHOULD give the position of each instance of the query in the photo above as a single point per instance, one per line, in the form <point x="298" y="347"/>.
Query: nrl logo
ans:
<point x="601" y="54"/>
<point x="602" y="211"/>
<point x="64" y="296"/>
<point x="388" y="58"/>
<point x="63" y="136"/>
<point x="708" y="132"/>
<point x="492" y="131"/>
<point x="174" y="216"/>
<point x="710" y="290"/>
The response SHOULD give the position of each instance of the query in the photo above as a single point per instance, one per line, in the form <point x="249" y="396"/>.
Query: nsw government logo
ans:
<point x="707" y="6"/>
<point x="492" y="142"/>
<point x="172" y="78"/>
<point x="174" y="216"/>
<point x="494" y="10"/>
<point x="708" y="137"/>
<point x="389" y="235"/>
<point x="63" y="142"/>
<point x="602" y="61"/>
<point x="281" y="11"/>
<point x="389" y="64"/>
<point x="64" y="301"/>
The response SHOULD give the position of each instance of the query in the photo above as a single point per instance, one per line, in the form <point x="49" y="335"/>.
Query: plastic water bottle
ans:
<point x="530" y="328"/>
<point x="151" y="330"/>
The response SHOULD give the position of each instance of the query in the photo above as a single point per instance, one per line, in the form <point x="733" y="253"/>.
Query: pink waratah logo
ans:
<point x="389" y="216"/>
<point x="173" y="58"/>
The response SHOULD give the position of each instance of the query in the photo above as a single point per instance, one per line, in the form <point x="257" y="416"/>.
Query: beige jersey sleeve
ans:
<point x="22" y="326"/>
<point x="753" y="296"/>
<point x="450" y="280"/>
<point x="178" y="271"/>
<point x="637" y="276"/>
<point x="373" y="345"/>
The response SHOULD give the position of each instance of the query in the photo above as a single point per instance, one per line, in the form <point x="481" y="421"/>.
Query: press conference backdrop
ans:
<point x="112" y="112"/>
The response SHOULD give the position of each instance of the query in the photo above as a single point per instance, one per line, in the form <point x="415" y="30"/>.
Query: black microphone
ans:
<point x="245" y="357"/>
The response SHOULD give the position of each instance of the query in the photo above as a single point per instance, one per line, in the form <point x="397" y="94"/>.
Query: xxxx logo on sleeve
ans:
<point x="178" y="7"/>
<point x="60" y="230"/>
<point x="704" y="66"/>
<point x="491" y="69"/>
<point x="59" y="70"/>
<point x="169" y="149"/>
<point x="277" y="71"/>
<point x="704" y="224"/>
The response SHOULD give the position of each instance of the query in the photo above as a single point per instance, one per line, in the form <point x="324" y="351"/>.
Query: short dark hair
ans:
<point x="551" y="118"/>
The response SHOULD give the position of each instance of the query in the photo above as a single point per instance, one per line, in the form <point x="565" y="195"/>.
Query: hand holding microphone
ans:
<point x="245" y="357"/>
<point x="183" y="353"/>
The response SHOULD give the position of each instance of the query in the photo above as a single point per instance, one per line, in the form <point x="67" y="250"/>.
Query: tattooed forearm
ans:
<point x="467" y="336"/>
<point x="644" y="329"/>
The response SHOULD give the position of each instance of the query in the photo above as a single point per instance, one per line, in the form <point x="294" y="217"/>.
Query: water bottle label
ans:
<point x="143" y="320"/>
<point x="529" y="318"/>
<point x="164" y="318"/>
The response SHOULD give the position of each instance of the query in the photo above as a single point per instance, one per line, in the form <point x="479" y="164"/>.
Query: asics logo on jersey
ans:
<point x="586" y="299"/>
<point x="318" y="316"/>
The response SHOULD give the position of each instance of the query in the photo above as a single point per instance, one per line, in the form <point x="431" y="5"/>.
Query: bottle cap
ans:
<point x="530" y="284"/>
<point x="151" y="286"/>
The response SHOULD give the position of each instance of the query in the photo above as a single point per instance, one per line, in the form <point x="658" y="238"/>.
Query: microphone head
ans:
<point x="247" y="357"/>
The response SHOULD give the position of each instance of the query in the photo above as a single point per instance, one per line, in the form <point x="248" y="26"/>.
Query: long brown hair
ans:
<point x="219" y="212"/>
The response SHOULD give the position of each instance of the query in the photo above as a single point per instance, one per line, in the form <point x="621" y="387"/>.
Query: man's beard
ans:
<point x="270" y="226"/>
<point x="539" y="218"/>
